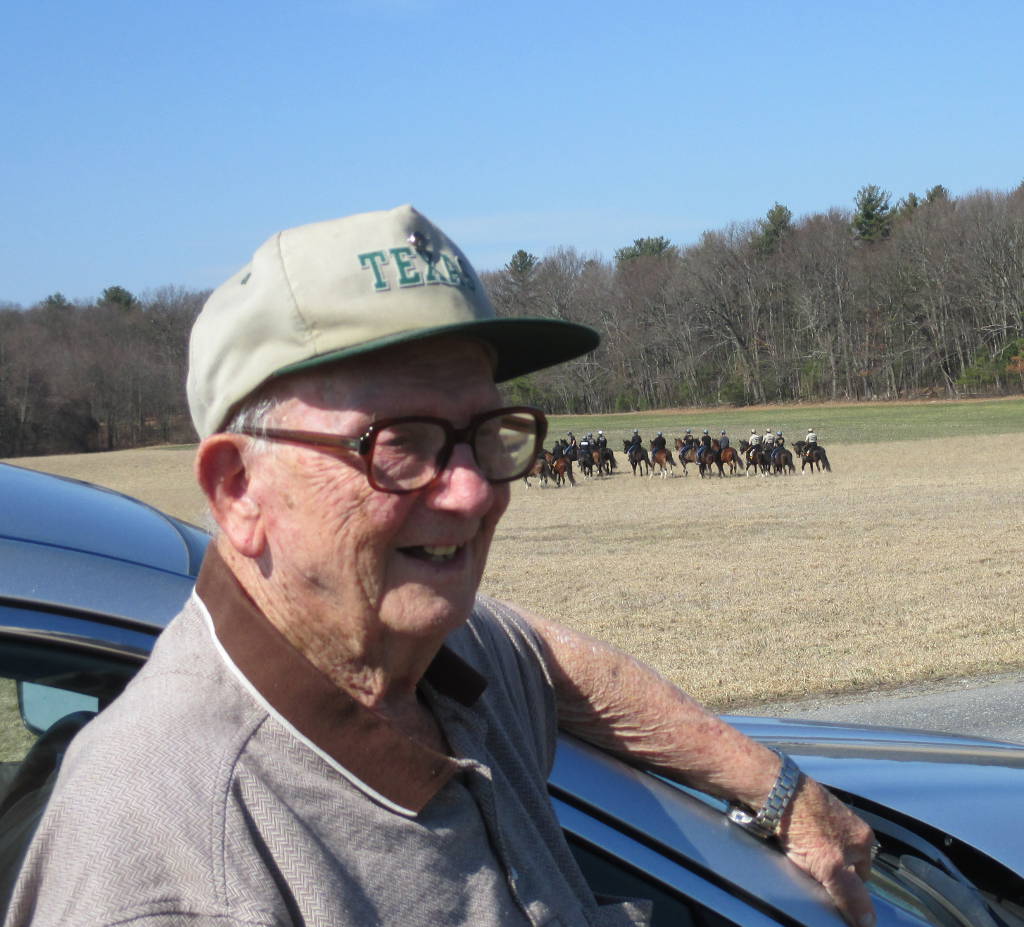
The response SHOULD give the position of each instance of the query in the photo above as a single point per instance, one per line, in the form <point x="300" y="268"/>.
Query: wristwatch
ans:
<point x="766" y="822"/>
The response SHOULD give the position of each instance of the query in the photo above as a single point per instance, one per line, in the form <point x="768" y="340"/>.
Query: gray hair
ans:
<point x="254" y="414"/>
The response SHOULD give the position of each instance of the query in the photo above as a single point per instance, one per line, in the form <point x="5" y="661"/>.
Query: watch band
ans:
<point x="766" y="822"/>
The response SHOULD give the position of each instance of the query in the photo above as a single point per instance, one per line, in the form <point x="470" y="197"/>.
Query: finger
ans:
<point x="850" y="895"/>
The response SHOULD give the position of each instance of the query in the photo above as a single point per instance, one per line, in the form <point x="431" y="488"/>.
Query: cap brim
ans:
<point x="522" y="345"/>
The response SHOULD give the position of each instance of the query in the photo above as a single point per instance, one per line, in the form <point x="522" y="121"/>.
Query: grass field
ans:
<point x="903" y="564"/>
<point x="858" y="423"/>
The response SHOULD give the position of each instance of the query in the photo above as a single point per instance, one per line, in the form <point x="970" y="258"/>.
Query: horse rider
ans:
<point x="585" y="444"/>
<point x="658" y="444"/>
<point x="688" y="441"/>
<point x="723" y="441"/>
<point x="635" y="445"/>
<point x="755" y="438"/>
<point x="811" y="440"/>
<point x="777" y="445"/>
<point x="705" y="445"/>
<point x="602" y="441"/>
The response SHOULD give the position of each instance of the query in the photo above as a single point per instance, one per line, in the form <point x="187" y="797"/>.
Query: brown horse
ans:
<point x="662" y="463"/>
<point x="540" y="468"/>
<point x="561" y="469"/>
<point x="687" y="456"/>
<point x="599" y="461"/>
<point x="730" y="457"/>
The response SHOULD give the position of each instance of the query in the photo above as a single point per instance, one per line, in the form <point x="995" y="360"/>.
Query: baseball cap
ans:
<point x="330" y="290"/>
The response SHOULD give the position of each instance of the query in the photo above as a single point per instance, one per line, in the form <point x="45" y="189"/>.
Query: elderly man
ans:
<point x="337" y="729"/>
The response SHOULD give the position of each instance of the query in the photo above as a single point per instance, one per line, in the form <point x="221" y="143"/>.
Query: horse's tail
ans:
<point x="824" y="460"/>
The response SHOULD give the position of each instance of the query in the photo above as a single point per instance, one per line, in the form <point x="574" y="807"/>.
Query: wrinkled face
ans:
<point x="368" y="563"/>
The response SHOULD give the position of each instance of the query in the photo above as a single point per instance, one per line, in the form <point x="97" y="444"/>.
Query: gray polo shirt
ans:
<point x="233" y="784"/>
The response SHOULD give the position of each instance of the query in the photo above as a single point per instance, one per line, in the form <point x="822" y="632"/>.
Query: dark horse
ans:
<point x="757" y="458"/>
<point x="637" y="457"/>
<point x="782" y="462"/>
<point x="600" y="459"/>
<point x="815" y="456"/>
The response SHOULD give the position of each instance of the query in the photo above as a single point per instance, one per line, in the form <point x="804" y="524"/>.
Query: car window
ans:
<point x="49" y="690"/>
<point x="42" y="683"/>
<point x="607" y="875"/>
<point x="15" y="737"/>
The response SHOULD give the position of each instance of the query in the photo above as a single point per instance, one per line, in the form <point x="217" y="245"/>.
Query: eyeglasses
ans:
<point x="405" y="454"/>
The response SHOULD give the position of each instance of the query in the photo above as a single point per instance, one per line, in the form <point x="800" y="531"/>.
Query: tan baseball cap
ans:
<point x="331" y="290"/>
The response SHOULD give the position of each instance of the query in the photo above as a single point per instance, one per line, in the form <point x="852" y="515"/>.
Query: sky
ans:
<point x="159" y="144"/>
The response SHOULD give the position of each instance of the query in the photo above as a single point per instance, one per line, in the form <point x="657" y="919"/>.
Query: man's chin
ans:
<point x="418" y="609"/>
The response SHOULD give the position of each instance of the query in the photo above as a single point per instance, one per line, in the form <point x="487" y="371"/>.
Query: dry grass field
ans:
<point x="902" y="564"/>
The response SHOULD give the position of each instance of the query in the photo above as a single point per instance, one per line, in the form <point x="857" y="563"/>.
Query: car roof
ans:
<point x="72" y="545"/>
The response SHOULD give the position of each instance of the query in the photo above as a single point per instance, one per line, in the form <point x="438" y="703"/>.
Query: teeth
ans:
<point x="441" y="553"/>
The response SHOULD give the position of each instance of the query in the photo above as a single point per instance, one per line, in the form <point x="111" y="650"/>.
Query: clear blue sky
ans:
<point x="147" y="144"/>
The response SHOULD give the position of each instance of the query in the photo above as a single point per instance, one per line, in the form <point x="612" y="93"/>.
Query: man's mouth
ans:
<point x="441" y="553"/>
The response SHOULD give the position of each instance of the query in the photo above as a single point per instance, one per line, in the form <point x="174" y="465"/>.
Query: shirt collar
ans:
<point x="369" y="746"/>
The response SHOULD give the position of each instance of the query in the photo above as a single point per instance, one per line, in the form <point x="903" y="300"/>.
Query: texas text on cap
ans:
<point x="335" y="289"/>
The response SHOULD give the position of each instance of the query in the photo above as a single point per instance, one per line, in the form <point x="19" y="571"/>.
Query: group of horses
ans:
<point x="753" y="458"/>
<point x="592" y="460"/>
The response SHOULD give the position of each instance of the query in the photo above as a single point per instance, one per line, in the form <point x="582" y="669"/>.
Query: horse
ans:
<point x="811" y="455"/>
<point x="662" y="463"/>
<point x="561" y="469"/>
<point x="687" y="453"/>
<point x="712" y="457"/>
<point x="637" y="457"/>
<point x="782" y="462"/>
<point x="757" y="458"/>
<point x="542" y="468"/>
<point x="586" y="461"/>
<point x="730" y="457"/>
<point x="602" y="460"/>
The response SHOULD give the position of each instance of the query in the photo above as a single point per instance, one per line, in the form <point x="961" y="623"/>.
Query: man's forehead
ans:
<point x="396" y="376"/>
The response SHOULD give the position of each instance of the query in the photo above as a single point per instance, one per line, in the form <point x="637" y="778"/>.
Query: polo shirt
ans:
<point x="233" y="784"/>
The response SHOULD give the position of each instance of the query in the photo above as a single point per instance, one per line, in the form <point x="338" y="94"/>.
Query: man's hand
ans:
<point x="824" y="838"/>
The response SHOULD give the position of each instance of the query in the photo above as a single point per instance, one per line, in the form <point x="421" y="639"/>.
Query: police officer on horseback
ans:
<point x="811" y="440"/>
<point x="705" y="445"/>
<point x="602" y="441"/>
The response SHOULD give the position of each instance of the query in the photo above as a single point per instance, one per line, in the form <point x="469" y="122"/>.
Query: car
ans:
<point x="88" y="579"/>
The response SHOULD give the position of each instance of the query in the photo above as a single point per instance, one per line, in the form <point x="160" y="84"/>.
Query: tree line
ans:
<point x="924" y="297"/>
<point x="99" y="376"/>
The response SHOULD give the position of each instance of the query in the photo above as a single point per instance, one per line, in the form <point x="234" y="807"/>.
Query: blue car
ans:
<point x="88" y="578"/>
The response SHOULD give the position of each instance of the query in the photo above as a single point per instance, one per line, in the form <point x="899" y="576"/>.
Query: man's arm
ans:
<point x="611" y="700"/>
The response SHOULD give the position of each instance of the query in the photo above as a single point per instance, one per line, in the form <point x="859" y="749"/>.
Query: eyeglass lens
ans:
<point x="408" y="455"/>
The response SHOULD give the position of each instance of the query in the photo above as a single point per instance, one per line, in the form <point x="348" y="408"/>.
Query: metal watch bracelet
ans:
<point x="766" y="822"/>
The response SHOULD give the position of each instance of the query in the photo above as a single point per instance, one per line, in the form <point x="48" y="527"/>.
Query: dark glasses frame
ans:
<point x="365" y="443"/>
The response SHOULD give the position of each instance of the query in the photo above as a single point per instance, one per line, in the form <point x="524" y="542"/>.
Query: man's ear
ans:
<point x="225" y="478"/>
